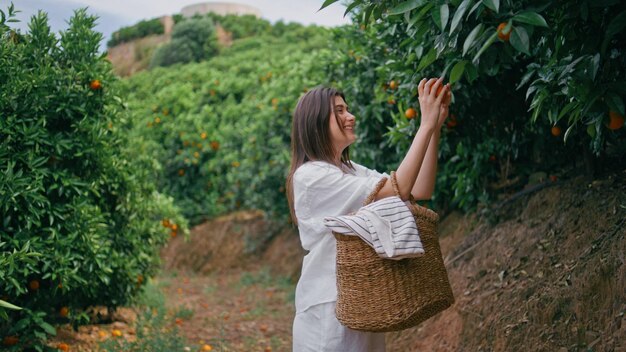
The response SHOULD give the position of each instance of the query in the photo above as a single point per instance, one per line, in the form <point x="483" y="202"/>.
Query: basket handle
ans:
<point x="394" y="184"/>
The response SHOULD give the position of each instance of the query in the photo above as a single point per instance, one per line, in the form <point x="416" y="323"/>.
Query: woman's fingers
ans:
<point x="428" y="85"/>
<point x="444" y="94"/>
<point x="420" y="87"/>
<point x="435" y="87"/>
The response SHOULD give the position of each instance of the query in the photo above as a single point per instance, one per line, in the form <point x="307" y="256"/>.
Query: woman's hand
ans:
<point x="444" y="109"/>
<point x="430" y="102"/>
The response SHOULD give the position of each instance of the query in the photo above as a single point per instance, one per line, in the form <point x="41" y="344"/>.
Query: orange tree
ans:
<point x="80" y="219"/>
<point x="220" y="128"/>
<point x="536" y="84"/>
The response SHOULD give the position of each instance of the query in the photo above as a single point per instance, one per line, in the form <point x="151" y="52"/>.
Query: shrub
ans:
<point x="81" y="221"/>
<point x="193" y="40"/>
<point x="139" y="30"/>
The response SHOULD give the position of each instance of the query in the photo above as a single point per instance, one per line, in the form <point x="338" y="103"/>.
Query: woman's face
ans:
<point x="342" y="125"/>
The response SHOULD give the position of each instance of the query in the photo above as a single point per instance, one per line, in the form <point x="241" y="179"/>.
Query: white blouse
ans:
<point x="320" y="190"/>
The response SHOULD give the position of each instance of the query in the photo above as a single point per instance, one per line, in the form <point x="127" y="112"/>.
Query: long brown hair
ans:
<point x="310" y="135"/>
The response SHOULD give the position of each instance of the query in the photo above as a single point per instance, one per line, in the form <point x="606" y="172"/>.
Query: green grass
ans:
<point x="155" y="332"/>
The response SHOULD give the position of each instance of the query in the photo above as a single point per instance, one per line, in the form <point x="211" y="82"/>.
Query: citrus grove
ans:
<point x="97" y="172"/>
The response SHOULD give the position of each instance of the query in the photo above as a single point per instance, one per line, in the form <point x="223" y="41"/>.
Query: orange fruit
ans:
<point x="391" y="101"/>
<point x="207" y="348"/>
<point x="174" y="227"/>
<point x="116" y="333"/>
<point x="203" y="135"/>
<point x="393" y="85"/>
<point x="33" y="285"/>
<point x="63" y="347"/>
<point x="102" y="333"/>
<point x="451" y="122"/>
<point x="616" y="120"/>
<point x="10" y="340"/>
<point x="215" y="145"/>
<point x="410" y="113"/>
<point x="95" y="84"/>
<point x="556" y="131"/>
<point x="173" y="233"/>
<point x="64" y="311"/>
<point x="165" y="222"/>
<point x="501" y="34"/>
<point x="439" y="90"/>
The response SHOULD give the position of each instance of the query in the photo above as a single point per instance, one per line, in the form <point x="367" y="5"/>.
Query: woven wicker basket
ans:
<point x="379" y="295"/>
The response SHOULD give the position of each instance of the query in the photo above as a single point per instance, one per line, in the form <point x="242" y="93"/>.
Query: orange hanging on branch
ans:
<point x="95" y="84"/>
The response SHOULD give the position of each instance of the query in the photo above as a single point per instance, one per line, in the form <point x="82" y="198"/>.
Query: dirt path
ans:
<point x="232" y="311"/>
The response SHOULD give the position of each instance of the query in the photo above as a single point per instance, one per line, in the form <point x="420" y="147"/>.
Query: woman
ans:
<point x="324" y="182"/>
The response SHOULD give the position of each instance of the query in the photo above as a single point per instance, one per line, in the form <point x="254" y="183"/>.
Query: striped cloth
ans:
<point x="386" y="225"/>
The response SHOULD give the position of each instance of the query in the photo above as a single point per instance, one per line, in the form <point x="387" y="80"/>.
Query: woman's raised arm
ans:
<point x="409" y="168"/>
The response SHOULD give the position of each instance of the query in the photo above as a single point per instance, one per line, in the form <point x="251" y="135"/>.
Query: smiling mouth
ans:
<point x="351" y="128"/>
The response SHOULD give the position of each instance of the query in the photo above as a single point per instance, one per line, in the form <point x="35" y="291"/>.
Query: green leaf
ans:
<point x="568" y="132"/>
<point x="531" y="18"/>
<point x="485" y="46"/>
<point x="327" y="3"/>
<point x="471" y="73"/>
<point x="617" y="24"/>
<point x="406" y="6"/>
<point x="48" y="328"/>
<point x="458" y="15"/>
<point x="427" y="59"/>
<point x="519" y="40"/>
<point x="492" y="4"/>
<point x="471" y="38"/>
<point x="421" y="13"/>
<point x="352" y="6"/>
<point x="469" y="13"/>
<point x="566" y="109"/>
<point x="436" y="15"/>
<point x="444" y="13"/>
<point x="457" y="71"/>
<point x="367" y="14"/>
<point x="8" y="305"/>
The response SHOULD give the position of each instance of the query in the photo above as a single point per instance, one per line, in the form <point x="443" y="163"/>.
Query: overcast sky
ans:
<point x="114" y="14"/>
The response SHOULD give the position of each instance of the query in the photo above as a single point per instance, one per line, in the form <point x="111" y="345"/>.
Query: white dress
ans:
<point x="320" y="190"/>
